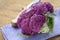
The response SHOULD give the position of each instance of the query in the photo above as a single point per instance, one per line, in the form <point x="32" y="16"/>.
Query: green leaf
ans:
<point x="18" y="34"/>
<point x="44" y="29"/>
<point x="50" y="22"/>
<point x="48" y="25"/>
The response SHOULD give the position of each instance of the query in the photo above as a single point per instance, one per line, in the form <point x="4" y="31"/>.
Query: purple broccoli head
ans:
<point x="49" y="6"/>
<point x="36" y="23"/>
<point x="32" y="19"/>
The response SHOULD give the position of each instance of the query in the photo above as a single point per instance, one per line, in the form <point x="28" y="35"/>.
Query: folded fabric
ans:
<point x="10" y="33"/>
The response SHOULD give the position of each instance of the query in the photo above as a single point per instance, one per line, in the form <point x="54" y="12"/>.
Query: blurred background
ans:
<point x="10" y="8"/>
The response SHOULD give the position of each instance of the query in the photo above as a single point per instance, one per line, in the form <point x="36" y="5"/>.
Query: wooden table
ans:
<point x="10" y="8"/>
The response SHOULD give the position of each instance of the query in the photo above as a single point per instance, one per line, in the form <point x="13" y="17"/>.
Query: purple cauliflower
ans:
<point x="25" y="14"/>
<point x="32" y="19"/>
<point x="36" y="22"/>
<point x="40" y="8"/>
<point x="49" y="6"/>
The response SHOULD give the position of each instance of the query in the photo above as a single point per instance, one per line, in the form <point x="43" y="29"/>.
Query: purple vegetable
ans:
<point x="25" y="26"/>
<point x="32" y="19"/>
<point x="40" y="8"/>
<point x="36" y="23"/>
<point x="25" y="14"/>
<point x="49" y="6"/>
